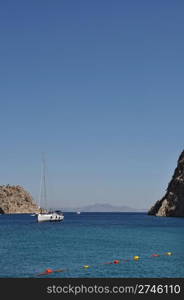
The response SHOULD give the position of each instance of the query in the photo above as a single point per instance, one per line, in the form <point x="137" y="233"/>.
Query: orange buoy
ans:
<point x="49" y="271"/>
<point x="46" y="272"/>
<point x="116" y="261"/>
<point x="155" y="255"/>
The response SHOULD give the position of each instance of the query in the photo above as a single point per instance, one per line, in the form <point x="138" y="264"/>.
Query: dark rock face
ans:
<point x="172" y="204"/>
<point x="15" y="199"/>
<point x="1" y="211"/>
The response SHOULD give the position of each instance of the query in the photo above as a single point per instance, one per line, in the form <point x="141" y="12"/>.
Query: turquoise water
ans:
<point x="28" y="248"/>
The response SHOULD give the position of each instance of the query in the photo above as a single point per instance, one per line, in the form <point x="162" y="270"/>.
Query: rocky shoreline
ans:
<point x="172" y="204"/>
<point x="15" y="199"/>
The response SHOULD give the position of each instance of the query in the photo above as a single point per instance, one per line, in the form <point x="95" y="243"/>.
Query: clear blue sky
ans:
<point x="97" y="86"/>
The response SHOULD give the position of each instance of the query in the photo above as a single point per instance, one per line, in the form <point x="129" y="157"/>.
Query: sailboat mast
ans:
<point x="43" y="191"/>
<point x="41" y="183"/>
<point x="44" y="183"/>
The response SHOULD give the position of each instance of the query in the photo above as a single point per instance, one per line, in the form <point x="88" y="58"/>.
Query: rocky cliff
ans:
<point x="172" y="204"/>
<point x="15" y="199"/>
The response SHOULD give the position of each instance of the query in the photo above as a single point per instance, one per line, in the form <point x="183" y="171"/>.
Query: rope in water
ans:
<point x="50" y="271"/>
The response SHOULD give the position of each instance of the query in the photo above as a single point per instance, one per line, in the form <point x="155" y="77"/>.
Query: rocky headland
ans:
<point x="15" y="199"/>
<point x="172" y="204"/>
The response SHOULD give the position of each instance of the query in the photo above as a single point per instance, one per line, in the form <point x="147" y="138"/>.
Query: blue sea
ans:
<point x="27" y="248"/>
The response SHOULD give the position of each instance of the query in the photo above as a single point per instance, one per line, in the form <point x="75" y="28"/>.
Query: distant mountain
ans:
<point x="103" y="207"/>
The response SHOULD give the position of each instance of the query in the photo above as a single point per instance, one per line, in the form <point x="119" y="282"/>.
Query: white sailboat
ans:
<point x="51" y="216"/>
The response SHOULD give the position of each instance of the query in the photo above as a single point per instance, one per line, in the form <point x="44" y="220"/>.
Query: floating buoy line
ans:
<point x="50" y="271"/>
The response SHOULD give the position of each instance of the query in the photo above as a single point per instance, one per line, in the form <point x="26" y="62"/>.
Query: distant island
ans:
<point x="15" y="199"/>
<point x="103" y="207"/>
<point x="172" y="204"/>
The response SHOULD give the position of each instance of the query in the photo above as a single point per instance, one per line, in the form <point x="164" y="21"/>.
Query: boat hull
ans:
<point x="53" y="217"/>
